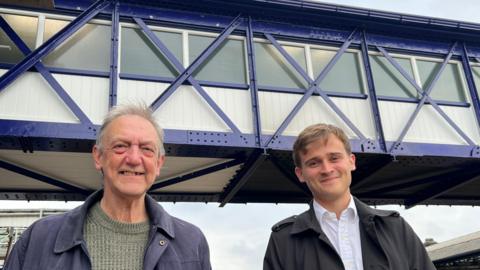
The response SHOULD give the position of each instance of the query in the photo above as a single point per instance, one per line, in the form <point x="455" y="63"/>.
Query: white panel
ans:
<point x="78" y="169"/>
<point x="11" y="180"/>
<point x="429" y="126"/>
<point x="73" y="168"/>
<point x="91" y="94"/>
<point x="236" y="104"/>
<point x="275" y="107"/>
<point x="30" y="97"/>
<point x="176" y="166"/>
<point x="214" y="182"/>
<point x="394" y="117"/>
<point x="184" y="109"/>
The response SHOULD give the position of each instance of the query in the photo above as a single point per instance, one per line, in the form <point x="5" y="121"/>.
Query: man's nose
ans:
<point x="326" y="167"/>
<point x="134" y="155"/>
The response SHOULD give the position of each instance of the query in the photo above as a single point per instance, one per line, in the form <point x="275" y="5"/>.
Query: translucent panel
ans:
<point x="140" y="56"/>
<point x="226" y="64"/>
<point x="345" y="76"/>
<point x="449" y="85"/>
<point x="88" y="48"/>
<point x="26" y="29"/>
<point x="274" y="70"/>
<point x="388" y="80"/>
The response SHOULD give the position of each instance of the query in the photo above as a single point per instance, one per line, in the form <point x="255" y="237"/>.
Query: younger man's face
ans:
<point x="326" y="168"/>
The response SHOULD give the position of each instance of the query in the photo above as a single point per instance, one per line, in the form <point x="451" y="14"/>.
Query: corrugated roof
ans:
<point x="455" y="248"/>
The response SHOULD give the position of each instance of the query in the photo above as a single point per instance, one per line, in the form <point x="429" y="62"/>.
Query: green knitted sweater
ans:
<point x="114" y="245"/>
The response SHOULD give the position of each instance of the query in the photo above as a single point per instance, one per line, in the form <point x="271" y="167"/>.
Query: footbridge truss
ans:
<point x="232" y="83"/>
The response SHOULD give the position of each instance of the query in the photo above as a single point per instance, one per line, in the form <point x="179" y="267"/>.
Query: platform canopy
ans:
<point x="233" y="83"/>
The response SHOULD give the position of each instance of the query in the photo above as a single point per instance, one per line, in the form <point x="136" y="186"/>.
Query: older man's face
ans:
<point x="130" y="157"/>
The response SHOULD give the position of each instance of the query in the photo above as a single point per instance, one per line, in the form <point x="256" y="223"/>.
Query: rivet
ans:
<point x="162" y="242"/>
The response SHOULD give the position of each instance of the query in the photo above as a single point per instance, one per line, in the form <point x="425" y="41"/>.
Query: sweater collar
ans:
<point x="71" y="231"/>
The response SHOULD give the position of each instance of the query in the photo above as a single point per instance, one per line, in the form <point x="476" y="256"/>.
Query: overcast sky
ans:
<point x="238" y="234"/>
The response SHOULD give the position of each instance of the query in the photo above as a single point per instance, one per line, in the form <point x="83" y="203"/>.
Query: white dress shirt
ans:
<point x="343" y="233"/>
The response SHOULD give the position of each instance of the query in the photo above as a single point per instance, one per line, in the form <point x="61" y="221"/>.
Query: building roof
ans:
<point x="455" y="248"/>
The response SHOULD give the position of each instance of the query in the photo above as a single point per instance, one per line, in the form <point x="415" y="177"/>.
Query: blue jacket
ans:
<point x="57" y="242"/>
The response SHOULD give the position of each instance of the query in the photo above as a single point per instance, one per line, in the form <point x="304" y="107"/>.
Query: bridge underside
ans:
<point x="232" y="83"/>
<point x="238" y="175"/>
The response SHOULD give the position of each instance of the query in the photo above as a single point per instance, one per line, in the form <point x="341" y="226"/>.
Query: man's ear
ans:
<point x="352" y="161"/>
<point x="299" y="173"/>
<point x="160" y="161"/>
<point x="97" y="155"/>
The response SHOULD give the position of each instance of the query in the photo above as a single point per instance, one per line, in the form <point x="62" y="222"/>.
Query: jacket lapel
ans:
<point x="307" y="221"/>
<point x="161" y="234"/>
<point x="373" y="253"/>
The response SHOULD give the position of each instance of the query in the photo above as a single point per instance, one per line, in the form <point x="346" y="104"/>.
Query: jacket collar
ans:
<point x="368" y="214"/>
<point x="308" y="221"/>
<point x="71" y="232"/>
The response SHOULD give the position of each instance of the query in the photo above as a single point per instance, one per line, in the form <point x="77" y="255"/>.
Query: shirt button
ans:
<point x="162" y="242"/>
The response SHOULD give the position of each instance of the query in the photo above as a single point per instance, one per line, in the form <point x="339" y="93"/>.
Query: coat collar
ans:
<point x="71" y="231"/>
<point x="307" y="220"/>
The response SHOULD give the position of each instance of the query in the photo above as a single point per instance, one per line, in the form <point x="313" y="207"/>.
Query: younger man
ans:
<point x="339" y="231"/>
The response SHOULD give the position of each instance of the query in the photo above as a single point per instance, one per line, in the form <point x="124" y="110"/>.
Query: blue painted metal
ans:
<point x="279" y="89"/>
<point x="254" y="161"/>
<point x="83" y="72"/>
<point x="220" y="138"/>
<point x="195" y="174"/>
<point x="377" y="120"/>
<point x="196" y="63"/>
<point x="425" y="95"/>
<point x="52" y="43"/>
<point x="415" y="100"/>
<point x="472" y="88"/>
<point x="137" y="77"/>
<point x="234" y="86"/>
<point x="179" y="67"/>
<point x="34" y="129"/>
<point x="114" y="56"/>
<point x="45" y="74"/>
<point x="313" y="86"/>
<point x="432" y="149"/>
<point x="362" y="176"/>
<point x="257" y="126"/>
<point x="449" y="182"/>
<point x="19" y="128"/>
<point x="402" y="185"/>
<point x="289" y="174"/>
<point x="49" y="180"/>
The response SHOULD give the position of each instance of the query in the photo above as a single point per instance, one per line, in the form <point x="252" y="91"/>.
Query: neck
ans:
<point x="124" y="210"/>
<point x="336" y="206"/>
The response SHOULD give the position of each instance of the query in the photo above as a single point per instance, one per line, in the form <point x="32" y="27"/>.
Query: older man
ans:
<point x="339" y="232"/>
<point x="119" y="227"/>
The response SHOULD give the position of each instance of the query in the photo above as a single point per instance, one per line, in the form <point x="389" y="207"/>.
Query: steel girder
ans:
<point x="260" y="142"/>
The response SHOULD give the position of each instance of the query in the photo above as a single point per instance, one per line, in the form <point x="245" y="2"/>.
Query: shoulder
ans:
<point x="48" y="224"/>
<point x="365" y="210"/>
<point x="184" y="227"/>
<point x="285" y="223"/>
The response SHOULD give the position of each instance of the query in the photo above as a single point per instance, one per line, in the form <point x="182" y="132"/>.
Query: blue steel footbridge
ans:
<point x="232" y="83"/>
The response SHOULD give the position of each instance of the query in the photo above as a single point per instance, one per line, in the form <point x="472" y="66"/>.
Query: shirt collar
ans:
<point x="350" y="211"/>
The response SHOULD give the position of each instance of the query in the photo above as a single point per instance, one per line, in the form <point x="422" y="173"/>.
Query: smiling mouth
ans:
<point x="130" y="173"/>
<point x="328" y="179"/>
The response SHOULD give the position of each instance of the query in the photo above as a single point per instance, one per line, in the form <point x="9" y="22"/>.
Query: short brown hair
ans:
<point x="317" y="132"/>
